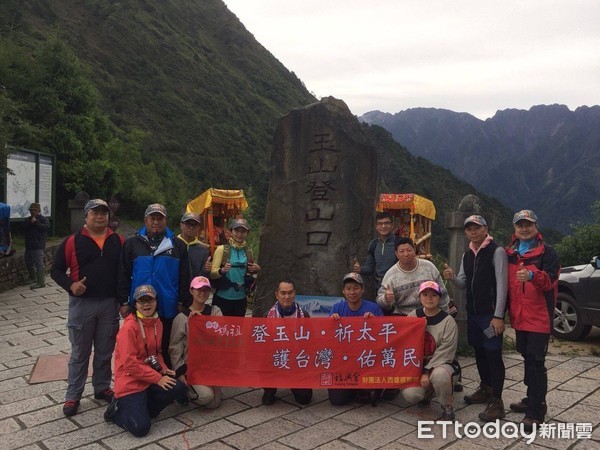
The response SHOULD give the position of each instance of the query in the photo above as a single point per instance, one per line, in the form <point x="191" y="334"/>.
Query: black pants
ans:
<point x="339" y="397"/>
<point x="491" y="369"/>
<point x="302" y="396"/>
<point x="533" y="347"/>
<point x="135" y="410"/>
<point x="236" y="308"/>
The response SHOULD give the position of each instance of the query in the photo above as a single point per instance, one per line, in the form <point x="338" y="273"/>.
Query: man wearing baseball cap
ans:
<point x="155" y="256"/>
<point x="36" y="231"/>
<point x="484" y="274"/>
<point x="353" y="305"/>
<point x="200" y="262"/>
<point x="533" y="269"/>
<point x="233" y="269"/>
<point x="86" y="266"/>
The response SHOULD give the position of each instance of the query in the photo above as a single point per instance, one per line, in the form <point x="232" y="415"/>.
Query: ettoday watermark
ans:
<point x="510" y="430"/>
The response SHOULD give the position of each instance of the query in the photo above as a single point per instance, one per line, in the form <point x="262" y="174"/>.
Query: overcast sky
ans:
<point x="475" y="56"/>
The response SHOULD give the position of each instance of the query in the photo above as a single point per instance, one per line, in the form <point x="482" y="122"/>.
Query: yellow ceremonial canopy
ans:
<point x="414" y="216"/>
<point x="221" y="203"/>
<point x="416" y="203"/>
<point x="228" y="199"/>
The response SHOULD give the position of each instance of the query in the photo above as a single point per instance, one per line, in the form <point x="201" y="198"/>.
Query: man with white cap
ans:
<point x="484" y="274"/>
<point x="86" y="266"/>
<point x="533" y="269"/>
<point x="155" y="256"/>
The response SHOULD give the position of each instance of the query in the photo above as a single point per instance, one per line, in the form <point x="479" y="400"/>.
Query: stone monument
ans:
<point x="321" y="203"/>
<point x="458" y="244"/>
<point x="76" y="207"/>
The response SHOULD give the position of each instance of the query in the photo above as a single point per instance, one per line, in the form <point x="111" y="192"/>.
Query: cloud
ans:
<point x="474" y="56"/>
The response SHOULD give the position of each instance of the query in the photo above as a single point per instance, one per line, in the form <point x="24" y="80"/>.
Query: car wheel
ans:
<point x="567" y="322"/>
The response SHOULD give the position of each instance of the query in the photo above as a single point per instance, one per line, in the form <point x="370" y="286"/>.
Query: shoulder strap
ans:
<point x="372" y="247"/>
<point x="226" y="254"/>
<point x="249" y="255"/>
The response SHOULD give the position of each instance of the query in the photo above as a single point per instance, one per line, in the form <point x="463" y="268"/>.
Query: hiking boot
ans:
<point x="111" y="411"/>
<point x="70" y="407"/>
<point x="429" y="393"/>
<point x="106" y="395"/>
<point x="41" y="280"/>
<point x="268" y="398"/>
<point x="529" y="422"/>
<point x="447" y="413"/>
<point x="30" y="275"/>
<point x="481" y="395"/>
<point x="519" y="407"/>
<point x="494" y="411"/>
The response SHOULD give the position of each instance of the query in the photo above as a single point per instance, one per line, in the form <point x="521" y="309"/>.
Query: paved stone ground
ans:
<point x="32" y="323"/>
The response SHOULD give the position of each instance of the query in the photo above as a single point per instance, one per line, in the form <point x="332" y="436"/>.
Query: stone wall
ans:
<point x="13" y="271"/>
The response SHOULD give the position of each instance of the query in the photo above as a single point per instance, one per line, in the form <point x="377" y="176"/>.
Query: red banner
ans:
<point x="352" y="352"/>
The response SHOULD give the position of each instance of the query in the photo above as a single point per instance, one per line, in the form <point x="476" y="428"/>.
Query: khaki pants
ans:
<point x="441" y="380"/>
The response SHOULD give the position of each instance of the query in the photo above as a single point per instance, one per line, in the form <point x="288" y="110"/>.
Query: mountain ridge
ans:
<point x="543" y="158"/>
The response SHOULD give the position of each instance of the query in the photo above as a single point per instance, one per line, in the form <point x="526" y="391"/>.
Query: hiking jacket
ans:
<point x="381" y="255"/>
<point x="81" y="256"/>
<point x="531" y="303"/>
<point x="166" y="269"/>
<point x="481" y="280"/>
<point x="132" y="374"/>
<point x="36" y="233"/>
<point x="197" y="255"/>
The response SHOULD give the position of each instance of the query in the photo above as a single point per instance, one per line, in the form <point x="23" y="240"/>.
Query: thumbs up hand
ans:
<point x="448" y="273"/>
<point x="356" y="266"/>
<point x="208" y="264"/>
<point x="78" y="288"/>
<point x="226" y="268"/>
<point x="389" y="295"/>
<point x="522" y="273"/>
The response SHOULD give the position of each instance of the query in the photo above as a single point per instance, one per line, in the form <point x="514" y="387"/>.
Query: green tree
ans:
<point x="583" y="244"/>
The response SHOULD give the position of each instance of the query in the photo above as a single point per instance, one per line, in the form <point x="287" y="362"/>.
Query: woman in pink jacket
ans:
<point x="144" y="385"/>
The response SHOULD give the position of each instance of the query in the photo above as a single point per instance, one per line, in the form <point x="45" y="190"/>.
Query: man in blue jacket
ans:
<point x="155" y="256"/>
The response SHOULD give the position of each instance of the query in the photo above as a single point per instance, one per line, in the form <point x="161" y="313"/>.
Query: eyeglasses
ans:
<point x="145" y="301"/>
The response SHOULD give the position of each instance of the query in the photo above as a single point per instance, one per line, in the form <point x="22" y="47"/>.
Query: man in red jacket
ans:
<point x="91" y="258"/>
<point x="533" y="269"/>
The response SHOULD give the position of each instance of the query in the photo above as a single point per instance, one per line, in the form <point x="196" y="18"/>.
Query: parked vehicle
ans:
<point x="578" y="303"/>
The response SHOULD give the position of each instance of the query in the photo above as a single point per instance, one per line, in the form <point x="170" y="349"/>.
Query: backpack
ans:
<point x="372" y="247"/>
<point x="223" y="282"/>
